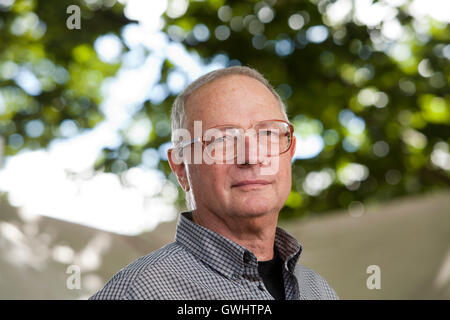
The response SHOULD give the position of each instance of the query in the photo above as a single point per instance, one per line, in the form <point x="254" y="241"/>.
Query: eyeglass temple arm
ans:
<point x="186" y="143"/>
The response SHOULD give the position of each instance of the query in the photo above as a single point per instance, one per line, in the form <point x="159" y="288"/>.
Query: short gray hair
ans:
<point x="179" y="110"/>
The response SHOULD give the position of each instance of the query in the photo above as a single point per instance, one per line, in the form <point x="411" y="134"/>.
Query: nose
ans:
<point x="248" y="152"/>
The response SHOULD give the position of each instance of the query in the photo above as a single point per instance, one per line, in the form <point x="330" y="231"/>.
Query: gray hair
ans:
<point x="179" y="109"/>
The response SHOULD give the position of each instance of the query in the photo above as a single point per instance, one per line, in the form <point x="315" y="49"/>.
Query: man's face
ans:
<point x="241" y="101"/>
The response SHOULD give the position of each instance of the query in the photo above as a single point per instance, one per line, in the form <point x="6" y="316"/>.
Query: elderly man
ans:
<point x="232" y="152"/>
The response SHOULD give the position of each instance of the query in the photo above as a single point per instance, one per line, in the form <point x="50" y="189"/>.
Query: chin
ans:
<point x="255" y="207"/>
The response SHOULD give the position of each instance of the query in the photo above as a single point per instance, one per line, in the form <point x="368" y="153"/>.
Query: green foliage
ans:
<point x="405" y="111"/>
<point x="381" y="106"/>
<point x="34" y="36"/>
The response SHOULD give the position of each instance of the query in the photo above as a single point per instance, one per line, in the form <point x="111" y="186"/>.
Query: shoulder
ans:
<point x="126" y="283"/>
<point x="312" y="286"/>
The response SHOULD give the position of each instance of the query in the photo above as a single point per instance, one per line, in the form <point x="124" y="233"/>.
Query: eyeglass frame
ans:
<point x="203" y="141"/>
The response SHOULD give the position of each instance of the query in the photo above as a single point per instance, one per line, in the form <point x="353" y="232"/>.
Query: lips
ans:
<point x="250" y="183"/>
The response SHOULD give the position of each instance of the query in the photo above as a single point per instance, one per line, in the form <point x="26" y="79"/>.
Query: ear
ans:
<point x="292" y="149"/>
<point x="178" y="167"/>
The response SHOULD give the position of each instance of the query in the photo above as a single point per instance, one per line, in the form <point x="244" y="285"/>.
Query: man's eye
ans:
<point x="268" y="133"/>
<point x="222" y="139"/>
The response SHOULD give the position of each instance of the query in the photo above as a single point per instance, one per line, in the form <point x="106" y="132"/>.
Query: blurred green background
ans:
<point x="85" y="123"/>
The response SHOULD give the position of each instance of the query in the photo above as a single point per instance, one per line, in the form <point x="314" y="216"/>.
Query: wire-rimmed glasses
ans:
<point x="226" y="142"/>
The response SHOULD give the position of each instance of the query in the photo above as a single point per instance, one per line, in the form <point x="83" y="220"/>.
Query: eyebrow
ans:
<point x="237" y="125"/>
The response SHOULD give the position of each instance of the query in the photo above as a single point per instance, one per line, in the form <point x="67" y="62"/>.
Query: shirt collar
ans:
<point x="224" y="255"/>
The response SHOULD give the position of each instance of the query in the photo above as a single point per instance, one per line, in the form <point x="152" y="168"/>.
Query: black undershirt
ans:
<point x="271" y="272"/>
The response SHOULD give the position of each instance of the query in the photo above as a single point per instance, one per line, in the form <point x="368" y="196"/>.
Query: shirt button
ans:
<point x="247" y="257"/>
<point x="261" y="287"/>
<point x="235" y="276"/>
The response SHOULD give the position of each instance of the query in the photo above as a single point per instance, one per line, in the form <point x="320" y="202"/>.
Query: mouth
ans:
<point x="250" y="184"/>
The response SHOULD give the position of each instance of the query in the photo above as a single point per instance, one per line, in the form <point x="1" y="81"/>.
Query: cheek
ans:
<point x="209" y="179"/>
<point x="285" y="177"/>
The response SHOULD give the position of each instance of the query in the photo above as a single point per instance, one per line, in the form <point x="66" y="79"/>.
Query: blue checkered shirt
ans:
<point x="203" y="265"/>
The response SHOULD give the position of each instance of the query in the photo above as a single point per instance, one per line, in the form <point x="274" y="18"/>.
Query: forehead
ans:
<point x="232" y="99"/>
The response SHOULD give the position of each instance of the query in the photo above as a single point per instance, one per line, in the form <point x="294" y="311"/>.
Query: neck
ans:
<point x="257" y="234"/>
